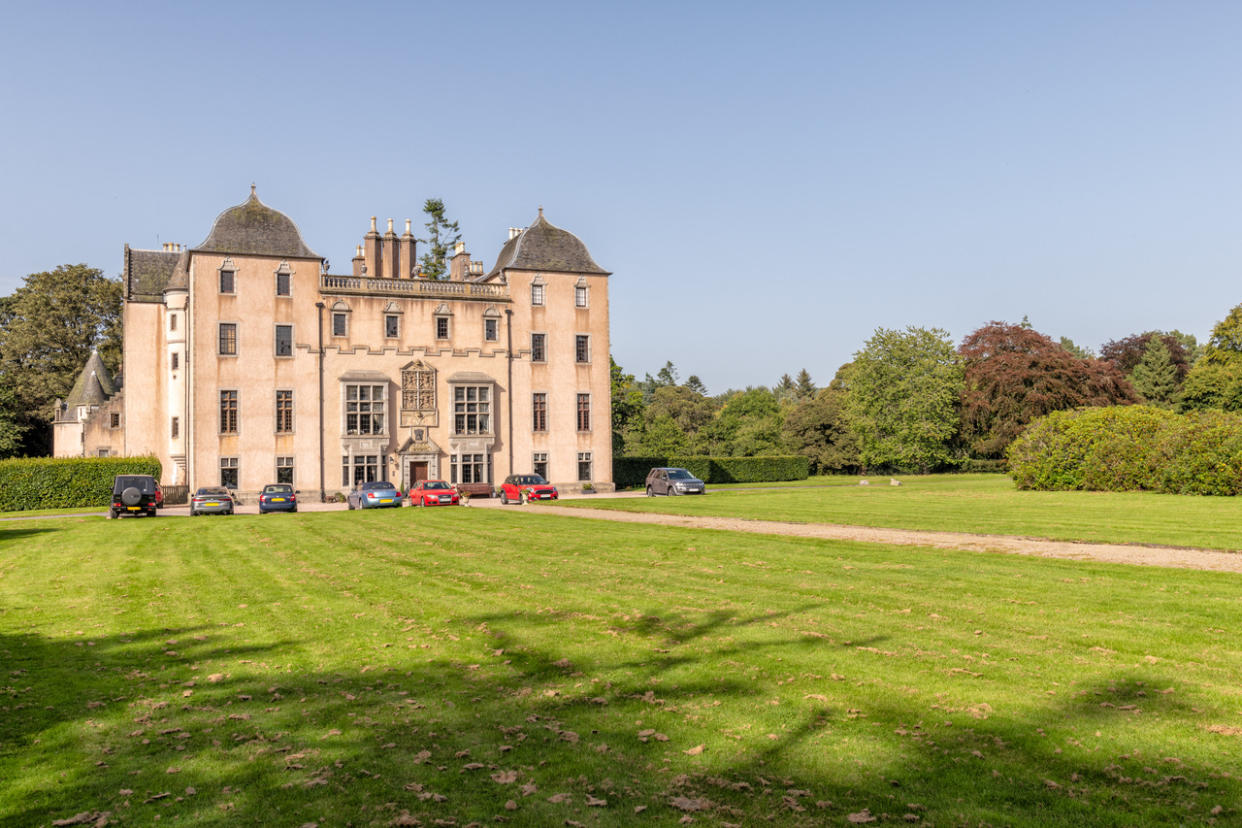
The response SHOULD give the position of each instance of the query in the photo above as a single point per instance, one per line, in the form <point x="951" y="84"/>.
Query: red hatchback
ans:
<point x="532" y="485"/>
<point x="433" y="493"/>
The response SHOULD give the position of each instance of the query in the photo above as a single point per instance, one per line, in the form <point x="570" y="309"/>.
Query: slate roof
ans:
<point x="543" y="246"/>
<point x="254" y="229"/>
<point x="93" y="386"/>
<point x="147" y="273"/>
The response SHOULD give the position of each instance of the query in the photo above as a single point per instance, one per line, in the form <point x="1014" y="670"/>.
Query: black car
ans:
<point x="134" y="494"/>
<point x="673" y="481"/>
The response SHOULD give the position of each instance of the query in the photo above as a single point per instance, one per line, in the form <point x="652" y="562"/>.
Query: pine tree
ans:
<point x="805" y="388"/>
<point x="1155" y="376"/>
<point x="442" y="237"/>
<point x="784" y="389"/>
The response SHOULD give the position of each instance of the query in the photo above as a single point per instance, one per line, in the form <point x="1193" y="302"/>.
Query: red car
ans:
<point x="433" y="493"/>
<point x="533" y="485"/>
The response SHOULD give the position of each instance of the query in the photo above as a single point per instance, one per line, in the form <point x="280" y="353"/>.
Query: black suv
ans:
<point x="134" y="494"/>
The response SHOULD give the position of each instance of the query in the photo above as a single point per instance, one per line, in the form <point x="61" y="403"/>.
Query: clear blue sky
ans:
<point x="768" y="182"/>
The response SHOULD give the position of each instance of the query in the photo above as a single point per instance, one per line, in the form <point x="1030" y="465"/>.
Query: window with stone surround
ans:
<point x="472" y="409"/>
<point x="584" y="466"/>
<point x="539" y="464"/>
<point x="538" y="347"/>
<point x="365" y="408"/>
<point x="539" y="411"/>
<point x="582" y="348"/>
<point x="360" y="468"/>
<point x="228" y="339"/>
<point x="584" y="412"/>
<point x="284" y="412"/>
<point x="471" y="468"/>
<point x="228" y="412"/>
<point x="284" y="340"/>
<point x="284" y="470"/>
<point x="228" y="472"/>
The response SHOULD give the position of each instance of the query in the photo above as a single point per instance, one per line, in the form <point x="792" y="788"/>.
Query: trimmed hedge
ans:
<point x="65" y="483"/>
<point x="632" y="471"/>
<point x="1131" y="448"/>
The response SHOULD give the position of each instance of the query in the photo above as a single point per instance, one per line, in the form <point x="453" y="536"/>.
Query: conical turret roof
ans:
<point x="93" y="386"/>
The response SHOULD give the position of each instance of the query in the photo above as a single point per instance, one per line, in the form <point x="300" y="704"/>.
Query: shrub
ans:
<point x="632" y="471"/>
<point x="65" y="483"/>
<point x="1131" y="448"/>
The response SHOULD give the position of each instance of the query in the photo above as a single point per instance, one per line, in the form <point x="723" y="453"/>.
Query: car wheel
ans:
<point x="294" y="509"/>
<point x="649" y="492"/>
<point x="112" y="514"/>
<point x="229" y="512"/>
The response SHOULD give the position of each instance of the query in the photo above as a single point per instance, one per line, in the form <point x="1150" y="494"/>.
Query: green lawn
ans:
<point x="986" y="503"/>
<point x="443" y="667"/>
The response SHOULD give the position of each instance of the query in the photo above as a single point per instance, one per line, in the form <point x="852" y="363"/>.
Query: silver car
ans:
<point x="673" y="481"/>
<point x="211" y="500"/>
<point x="374" y="494"/>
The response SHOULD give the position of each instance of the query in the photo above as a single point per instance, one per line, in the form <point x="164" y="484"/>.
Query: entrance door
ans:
<point x="418" y="471"/>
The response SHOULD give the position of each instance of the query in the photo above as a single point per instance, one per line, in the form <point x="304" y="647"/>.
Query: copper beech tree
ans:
<point x="1014" y="374"/>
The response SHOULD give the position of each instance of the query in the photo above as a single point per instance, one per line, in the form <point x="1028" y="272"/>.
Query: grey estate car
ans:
<point x="673" y="481"/>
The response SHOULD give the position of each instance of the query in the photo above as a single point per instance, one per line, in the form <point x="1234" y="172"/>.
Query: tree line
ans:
<point x="913" y="400"/>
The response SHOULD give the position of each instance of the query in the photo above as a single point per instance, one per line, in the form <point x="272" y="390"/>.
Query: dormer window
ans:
<point x="536" y="293"/>
<point x="581" y="294"/>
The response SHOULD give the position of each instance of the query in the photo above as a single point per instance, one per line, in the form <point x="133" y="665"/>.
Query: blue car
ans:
<point x="374" y="495"/>
<point x="278" y="497"/>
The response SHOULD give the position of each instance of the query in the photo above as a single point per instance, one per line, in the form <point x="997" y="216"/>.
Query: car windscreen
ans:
<point x="277" y="489"/>
<point x="680" y="474"/>
<point x="383" y="484"/>
<point x="530" y="480"/>
<point x="435" y="484"/>
<point x="146" y="485"/>
<point x="212" y="491"/>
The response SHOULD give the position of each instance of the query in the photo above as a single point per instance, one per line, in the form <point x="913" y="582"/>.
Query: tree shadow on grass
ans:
<point x="12" y="536"/>
<point x="195" y="725"/>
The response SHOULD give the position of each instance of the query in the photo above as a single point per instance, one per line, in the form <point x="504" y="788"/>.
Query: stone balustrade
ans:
<point x="415" y="288"/>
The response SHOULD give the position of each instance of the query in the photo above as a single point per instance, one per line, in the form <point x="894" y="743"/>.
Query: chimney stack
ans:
<point x="374" y="252"/>
<point x="409" y="247"/>
<point x="358" y="261"/>
<point x="459" y="263"/>
<point x="392" y="258"/>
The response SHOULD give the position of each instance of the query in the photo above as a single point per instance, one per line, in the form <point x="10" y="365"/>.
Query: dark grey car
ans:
<point x="673" y="481"/>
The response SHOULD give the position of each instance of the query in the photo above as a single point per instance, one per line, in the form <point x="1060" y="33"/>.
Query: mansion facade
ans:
<point x="246" y="363"/>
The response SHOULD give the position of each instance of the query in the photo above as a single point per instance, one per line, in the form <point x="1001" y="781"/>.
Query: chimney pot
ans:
<point x="390" y="225"/>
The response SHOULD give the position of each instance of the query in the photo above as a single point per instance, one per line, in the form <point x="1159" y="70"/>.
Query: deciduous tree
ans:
<point x="816" y="427"/>
<point x="1128" y="352"/>
<point x="903" y="398"/>
<point x="1014" y="374"/>
<point x="48" y="328"/>
<point x="1215" y="381"/>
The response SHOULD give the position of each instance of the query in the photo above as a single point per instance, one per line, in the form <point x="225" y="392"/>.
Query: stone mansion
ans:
<point x="246" y="363"/>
